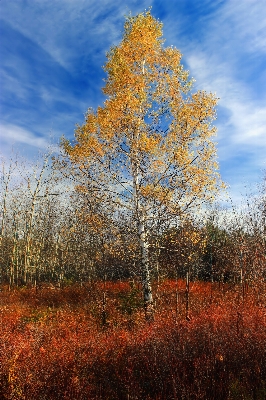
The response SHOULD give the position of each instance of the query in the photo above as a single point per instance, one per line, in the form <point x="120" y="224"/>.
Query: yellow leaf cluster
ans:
<point x="150" y="122"/>
<point x="149" y="144"/>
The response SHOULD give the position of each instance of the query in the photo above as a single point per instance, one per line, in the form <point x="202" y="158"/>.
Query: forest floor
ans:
<point x="93" y="342"/>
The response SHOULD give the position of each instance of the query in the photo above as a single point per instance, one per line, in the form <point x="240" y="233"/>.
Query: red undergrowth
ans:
<point x="53" y="345"/>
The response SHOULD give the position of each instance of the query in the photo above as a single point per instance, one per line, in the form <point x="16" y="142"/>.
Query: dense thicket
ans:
<point x="51" y="232"/>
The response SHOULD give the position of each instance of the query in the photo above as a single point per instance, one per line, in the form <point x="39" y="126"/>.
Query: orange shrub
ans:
<point x="63" y="352"/>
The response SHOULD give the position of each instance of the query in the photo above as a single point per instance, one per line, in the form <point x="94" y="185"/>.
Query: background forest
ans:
<point x="52" y="233"/>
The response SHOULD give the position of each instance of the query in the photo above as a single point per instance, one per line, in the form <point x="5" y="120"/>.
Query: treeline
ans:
<point x="53" y="231"/>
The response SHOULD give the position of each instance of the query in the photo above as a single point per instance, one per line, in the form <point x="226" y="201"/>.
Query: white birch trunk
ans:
<point x="30" y="221"/>
<point x="146" y="282"/>
<point x="143" y="243"/>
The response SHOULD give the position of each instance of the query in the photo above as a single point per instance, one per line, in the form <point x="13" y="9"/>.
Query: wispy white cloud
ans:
<point x="13" y="136"/>
<point x="52" y="85"/>
<point x="67" y="29"/>
<point x="248" y="21"/>
<point x="246" y="117"/>
<point x="233" y="43"/>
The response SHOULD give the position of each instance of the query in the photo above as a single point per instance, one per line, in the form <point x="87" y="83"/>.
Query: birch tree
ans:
<point x="149" y="148"/>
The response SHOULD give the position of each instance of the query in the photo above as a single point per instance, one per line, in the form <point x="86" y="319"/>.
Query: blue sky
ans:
<point x="52" y="53"/>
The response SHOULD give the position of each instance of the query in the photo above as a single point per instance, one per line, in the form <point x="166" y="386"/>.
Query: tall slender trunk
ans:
<point x="143" y="243"/>
<point x="30" y="215"/>
<point x="140" y="219"/>
<point x="4" y="201"/>
<point x="146" y="281"/>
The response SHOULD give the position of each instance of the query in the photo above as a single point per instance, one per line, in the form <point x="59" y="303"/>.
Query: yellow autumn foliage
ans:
<point x="152" y="139"/>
